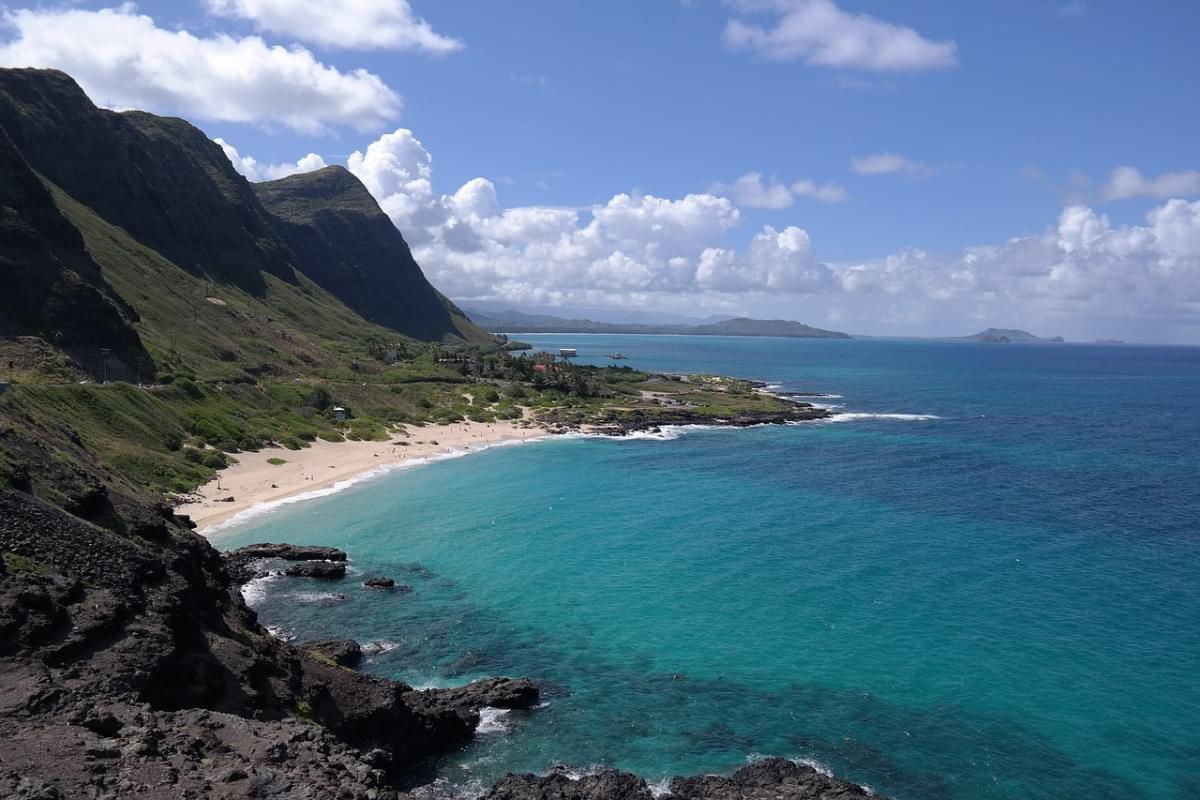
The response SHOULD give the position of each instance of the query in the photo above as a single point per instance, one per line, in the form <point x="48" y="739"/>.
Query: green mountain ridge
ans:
<point x="133" y="233"/>
<point x="518" y="322"/>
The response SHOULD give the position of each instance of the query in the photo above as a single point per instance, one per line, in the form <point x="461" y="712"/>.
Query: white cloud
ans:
<point x="254" y="171"/>
<point x="825" y="192"/>
<point x="346" y="24"/>
<point x="124" y="60"/>
<point x="750" y="191"/>
<point x="820" y="33"/>
<point x="1081" y="272"/>
<point x="885" y="163"/>
<point x="1126" y="182"/>
<point x="1082" y="275"/>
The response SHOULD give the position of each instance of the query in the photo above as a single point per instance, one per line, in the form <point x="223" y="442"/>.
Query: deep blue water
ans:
<point x="999" y="602"/>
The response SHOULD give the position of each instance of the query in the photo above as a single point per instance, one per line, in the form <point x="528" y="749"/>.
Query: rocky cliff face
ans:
<point x="131" y="667"/>
<point x="172" y="192"/>
<point x="345" y="243"/>
<point x="50" y="286"/>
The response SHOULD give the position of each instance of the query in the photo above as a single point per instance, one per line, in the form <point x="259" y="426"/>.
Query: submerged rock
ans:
<point x="322" y="570"/>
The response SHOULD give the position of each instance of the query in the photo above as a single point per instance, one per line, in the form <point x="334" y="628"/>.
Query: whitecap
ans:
<point x="378" y="648"/>
<point x="255" y="590"/>
<point x="282" y="634"/>
<point x="492" y="720"/>
<point x="660" y="787"/>
<point x="856" y="416"/>
<point x="321" y="598"/>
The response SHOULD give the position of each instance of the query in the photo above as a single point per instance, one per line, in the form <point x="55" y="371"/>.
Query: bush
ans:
<point x="213" y="459"/>
<point x="491" y="396"/>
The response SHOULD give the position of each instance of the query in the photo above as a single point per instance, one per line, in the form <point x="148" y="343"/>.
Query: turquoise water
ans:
<point x="1002" y="601"/>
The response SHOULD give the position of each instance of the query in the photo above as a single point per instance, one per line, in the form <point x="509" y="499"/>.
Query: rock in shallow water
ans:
<point x="379" y="582"/>
<point x="324" y="570"/>
<point x="769" y="779"/>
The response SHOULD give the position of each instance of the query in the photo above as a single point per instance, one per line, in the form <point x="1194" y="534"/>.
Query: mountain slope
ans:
<point x="345" y="243"/>
<point x="50" y="286"/>
<point x="516" y="321"/>
<point x="131" y="232"/>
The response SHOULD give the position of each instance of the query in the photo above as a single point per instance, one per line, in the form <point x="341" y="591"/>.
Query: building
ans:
<point x="567" y="352"/>
<point x="339" y="414"/>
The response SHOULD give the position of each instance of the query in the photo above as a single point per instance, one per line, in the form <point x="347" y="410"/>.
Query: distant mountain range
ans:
<point x="517" y="322"/>
<point x="1008" y="335"/>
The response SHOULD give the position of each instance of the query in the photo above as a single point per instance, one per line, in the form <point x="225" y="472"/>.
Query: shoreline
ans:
<point x="253" y="485"/>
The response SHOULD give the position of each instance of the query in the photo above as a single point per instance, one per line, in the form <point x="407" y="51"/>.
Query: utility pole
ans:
<point x="104" y="354"/>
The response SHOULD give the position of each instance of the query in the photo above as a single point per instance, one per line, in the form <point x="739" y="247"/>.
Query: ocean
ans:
<point x="983" y="581"/>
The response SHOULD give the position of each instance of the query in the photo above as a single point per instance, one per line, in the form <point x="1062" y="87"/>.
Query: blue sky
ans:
<point x="889" y="139"/>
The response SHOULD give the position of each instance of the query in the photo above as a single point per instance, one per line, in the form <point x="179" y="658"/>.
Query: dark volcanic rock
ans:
<point x="343" y="652"/>
<point x="377" y="582"/>
<point x="491" y="692"/>
<point x="770" y="779"/>
<point x="290" y="552"/>
<point x="133" y="668"/>
<point x="324" y="570"/>
<point x="605" y="785"/>
<point x="244" y="564"/>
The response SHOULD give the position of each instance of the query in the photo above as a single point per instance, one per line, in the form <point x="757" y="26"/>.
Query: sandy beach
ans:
<point x="254" y="479"/>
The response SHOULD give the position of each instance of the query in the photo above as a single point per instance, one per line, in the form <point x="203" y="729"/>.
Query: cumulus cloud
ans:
<point x="346" y="24"/>
<point x="1126" y="182"/>
<point x="1081" y="273"/>
<point x="819" y="33"/>
<point x="825" y="192"/>
<point x="124" y="60"/>
<point x="885" y="163"/>
<point x="254" y="171"/>
<point x="1082" y="268"/>
<point x="751" y="191"/>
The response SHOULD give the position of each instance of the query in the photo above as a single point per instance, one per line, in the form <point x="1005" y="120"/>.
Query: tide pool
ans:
<point x="983" y="584"/>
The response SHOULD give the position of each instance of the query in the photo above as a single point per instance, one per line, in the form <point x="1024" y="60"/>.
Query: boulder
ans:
<point x="343" y="652"/>
<point x="290" y="552"/>
<point x="488" y="693"/>
<point x="322" y="570"/>
<point x="243" y="564"/>
<point x="379" y="582"/>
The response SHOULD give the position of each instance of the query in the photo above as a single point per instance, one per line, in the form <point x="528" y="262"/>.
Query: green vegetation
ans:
<point x="276" y="462"/>
<point x="231" y="316"/>
<point x="17" y="564"/>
